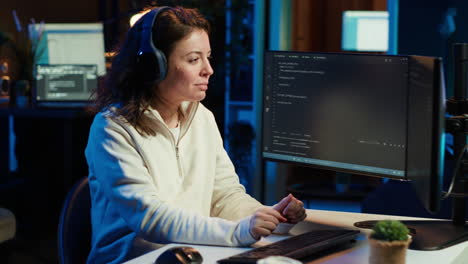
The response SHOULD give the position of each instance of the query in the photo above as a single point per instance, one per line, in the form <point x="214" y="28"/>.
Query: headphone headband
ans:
<point x="147" y="29"/>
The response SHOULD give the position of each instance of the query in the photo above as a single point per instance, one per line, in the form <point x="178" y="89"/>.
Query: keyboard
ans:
<point x="296" y="247"/>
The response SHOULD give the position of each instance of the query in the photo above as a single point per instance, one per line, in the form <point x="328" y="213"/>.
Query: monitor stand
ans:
<point x="430" y="234"/>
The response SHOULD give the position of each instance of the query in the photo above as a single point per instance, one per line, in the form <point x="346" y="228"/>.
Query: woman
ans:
<point x="158" y="172"/>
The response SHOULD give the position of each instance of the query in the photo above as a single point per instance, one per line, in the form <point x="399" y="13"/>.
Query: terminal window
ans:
<point x="322" y="109"/>
<point x="65" y="82"/>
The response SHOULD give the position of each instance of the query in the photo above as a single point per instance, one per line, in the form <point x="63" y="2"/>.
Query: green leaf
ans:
<point x="390" y="230"/>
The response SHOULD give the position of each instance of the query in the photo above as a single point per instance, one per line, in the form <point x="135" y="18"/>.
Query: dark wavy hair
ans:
<point x="123" y="85"/>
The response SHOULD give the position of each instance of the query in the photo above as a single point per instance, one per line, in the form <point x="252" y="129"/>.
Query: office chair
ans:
<point x="7" y="232"/>
<point x="7" y="225"/>
<point x="74" y="229"/>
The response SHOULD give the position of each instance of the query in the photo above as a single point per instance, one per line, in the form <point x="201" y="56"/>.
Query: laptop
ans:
<point x="64" y="85"/>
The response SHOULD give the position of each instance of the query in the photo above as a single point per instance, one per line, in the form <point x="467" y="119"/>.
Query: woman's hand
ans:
<point x="264" y="221"/>
<point x="291" y="208"/>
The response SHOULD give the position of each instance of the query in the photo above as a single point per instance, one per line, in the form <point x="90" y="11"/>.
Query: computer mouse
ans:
<point x="180" y="255"/>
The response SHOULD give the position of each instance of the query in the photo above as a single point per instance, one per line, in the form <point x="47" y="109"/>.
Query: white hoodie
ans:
<point x="158" y="189"/>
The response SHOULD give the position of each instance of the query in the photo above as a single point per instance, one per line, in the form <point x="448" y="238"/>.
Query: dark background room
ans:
<point x="42" y="149"/>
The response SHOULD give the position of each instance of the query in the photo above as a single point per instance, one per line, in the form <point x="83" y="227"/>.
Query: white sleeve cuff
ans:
<point x="243" y="232"/>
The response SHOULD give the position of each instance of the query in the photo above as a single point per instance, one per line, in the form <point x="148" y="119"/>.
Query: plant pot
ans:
<point x="388" y="252"/>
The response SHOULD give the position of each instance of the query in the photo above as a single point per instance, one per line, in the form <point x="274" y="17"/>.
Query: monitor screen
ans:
<point x="71" y="43"/>
<point x="365" y="31"/>
<point x="64" y="85"/>
<point x="322" y="109"/>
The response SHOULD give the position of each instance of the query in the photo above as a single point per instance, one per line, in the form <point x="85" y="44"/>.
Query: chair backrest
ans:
<point x="74" y="230"/>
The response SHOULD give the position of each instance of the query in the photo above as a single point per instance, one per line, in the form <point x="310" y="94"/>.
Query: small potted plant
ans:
<point x="389" y="242"/>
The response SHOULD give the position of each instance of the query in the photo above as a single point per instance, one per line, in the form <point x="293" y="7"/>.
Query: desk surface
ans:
<point x="358" y="254"/>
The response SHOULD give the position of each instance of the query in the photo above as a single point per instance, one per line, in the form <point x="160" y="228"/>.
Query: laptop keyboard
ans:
<point x="296" y="247"/>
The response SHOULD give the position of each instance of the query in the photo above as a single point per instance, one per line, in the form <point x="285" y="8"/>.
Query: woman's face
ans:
<point x="188" y="71"/>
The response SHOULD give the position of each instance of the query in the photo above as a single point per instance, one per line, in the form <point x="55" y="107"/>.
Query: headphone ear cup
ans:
<point x="152" y="66"/>
<point x="161" y="67"/>
<point x="151" y="62"/>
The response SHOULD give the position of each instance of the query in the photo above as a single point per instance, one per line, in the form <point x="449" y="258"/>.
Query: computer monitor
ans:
<point x="71" y="43"/>
<point x="367" y="114"/>
<point x="365" y="31"/>
<point x="64" y="85"/>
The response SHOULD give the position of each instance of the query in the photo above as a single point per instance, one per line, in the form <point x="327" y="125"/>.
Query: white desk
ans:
<point x="357" y="254"/>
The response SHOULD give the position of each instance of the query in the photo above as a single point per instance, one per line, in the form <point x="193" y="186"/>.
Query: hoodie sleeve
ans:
<point x="123" y="179"/>
<point x="230" y="200"/>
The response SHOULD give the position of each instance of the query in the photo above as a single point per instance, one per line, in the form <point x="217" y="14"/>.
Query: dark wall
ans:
<point x="51" y="11"/>
<point x="113" y="13"/>
<point x="316" y="24"/>
<point x="424" y="28"/>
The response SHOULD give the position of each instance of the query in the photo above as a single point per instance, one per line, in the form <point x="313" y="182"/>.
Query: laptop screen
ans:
<point x="64" y="85"/>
